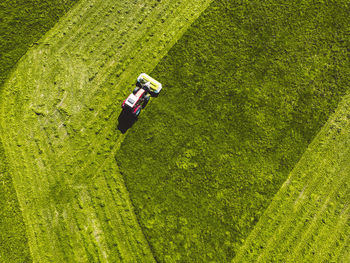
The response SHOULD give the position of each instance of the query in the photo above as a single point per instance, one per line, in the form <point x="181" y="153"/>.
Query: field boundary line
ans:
<point x="329" y="148"/>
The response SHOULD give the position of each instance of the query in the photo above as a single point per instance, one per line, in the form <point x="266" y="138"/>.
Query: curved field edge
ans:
<point x="309" y="218"/>
<point x="58" y="125"/>
<point x="19" y="16"/>
<point x="16" y="18"/>
<point x="245" y="91"/>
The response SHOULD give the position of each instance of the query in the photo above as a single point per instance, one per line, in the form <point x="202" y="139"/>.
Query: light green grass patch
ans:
<point x="21" y="24"/>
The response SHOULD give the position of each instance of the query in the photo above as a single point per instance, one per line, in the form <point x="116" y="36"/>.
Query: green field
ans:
<point x="244" y="96"/>
<point x="15" y="20"/>
<point x="58" y="126"/>
<point x="13" y="240"/>
<point x="23" y="22"/>
<point x="219" y="167"/>
<point x="309" y="218"/>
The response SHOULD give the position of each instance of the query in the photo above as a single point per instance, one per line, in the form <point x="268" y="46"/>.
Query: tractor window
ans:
<point x="131" y="101"/>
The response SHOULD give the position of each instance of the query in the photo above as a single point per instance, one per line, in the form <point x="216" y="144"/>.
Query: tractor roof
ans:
<point x="133" y="98"/>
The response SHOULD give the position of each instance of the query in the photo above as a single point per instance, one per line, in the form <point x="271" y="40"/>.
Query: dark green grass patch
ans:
<point x="245" y="91"/>
<point x="22" y="23"/>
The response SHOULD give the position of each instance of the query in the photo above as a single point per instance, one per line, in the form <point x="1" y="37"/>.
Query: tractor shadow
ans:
<point x="125" y="121"/>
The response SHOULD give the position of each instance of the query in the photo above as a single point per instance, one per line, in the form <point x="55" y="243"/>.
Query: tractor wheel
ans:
<point x="147" y="98"/>
<point x="137" y="113"/>
<point x="136" y="90"/>
<point x="146" y="87"/>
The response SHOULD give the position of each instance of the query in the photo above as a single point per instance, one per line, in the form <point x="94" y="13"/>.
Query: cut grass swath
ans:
<point x="58" y="125"/>
<point x="16" y="18"/>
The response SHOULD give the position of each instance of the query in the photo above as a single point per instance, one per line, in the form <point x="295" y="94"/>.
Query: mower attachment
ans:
<point x="155" y="86"/>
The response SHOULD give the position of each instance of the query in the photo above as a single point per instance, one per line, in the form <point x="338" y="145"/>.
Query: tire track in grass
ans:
<point x="309" y="217"/>
<point x="304" y="238"/>
<point x="289" y="234"/>
<point x="59" y="120"/>
<point x="324" y="243"/>
<point x="344" y="252"/>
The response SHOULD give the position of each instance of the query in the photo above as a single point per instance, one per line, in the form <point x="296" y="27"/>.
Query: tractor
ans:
<point x="146" y="87"/>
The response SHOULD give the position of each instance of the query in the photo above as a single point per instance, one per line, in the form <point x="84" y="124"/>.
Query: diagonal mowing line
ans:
<point x="341" y="221"/>
<point x="331" y="146"/>
<point x="335" y="189"/>
<point x="282" y="232"/>
<point x="328" y="188"/>
<point x="61" y="145"/>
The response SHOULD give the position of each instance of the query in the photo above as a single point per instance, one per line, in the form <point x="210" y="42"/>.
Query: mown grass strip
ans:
<point x="308" y="220"/>
<point x="15" y="20"/>
<point x="245" y="91"/>
<point x="59" y="120"/>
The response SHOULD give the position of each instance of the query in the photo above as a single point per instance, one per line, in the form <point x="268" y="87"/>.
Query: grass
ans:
<point x="13" y="239"/>
<point x="245" y="91"/>
<point x="58" y="126"/>
<point x="308" y="219"/>
<point x="21" y="24"/>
